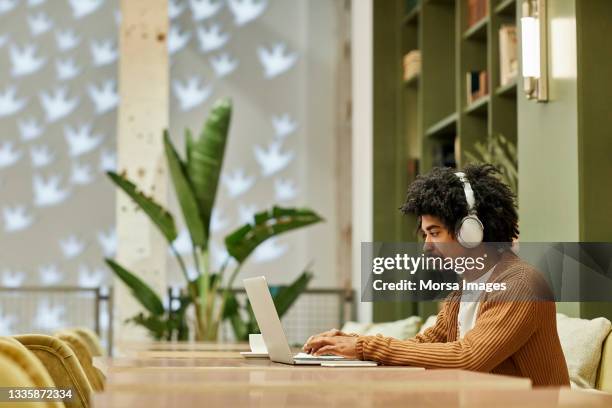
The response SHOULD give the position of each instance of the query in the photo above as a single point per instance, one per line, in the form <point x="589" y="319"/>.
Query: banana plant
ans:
<point x="195" y="179"/>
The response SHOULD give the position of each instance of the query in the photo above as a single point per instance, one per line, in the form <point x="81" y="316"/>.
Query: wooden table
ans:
<point x="198" y="377"/>
<point x="299" y="398"/>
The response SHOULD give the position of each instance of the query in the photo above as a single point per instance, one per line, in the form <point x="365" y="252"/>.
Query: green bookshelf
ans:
<point x="429" y="117"/>
<point x="434" y="107"/>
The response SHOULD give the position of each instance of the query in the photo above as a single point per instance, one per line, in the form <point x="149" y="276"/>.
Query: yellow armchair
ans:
<point x="63" y="366"/>
<point x="79" y="346"/>
<point x="13" y="375"/>
<point x="11" y="348"/>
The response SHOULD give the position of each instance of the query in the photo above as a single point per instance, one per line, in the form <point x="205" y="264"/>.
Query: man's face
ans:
<point x="439" y="241"/>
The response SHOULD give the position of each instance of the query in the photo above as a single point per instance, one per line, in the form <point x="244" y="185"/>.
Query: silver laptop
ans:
<point x="271" y="328"/>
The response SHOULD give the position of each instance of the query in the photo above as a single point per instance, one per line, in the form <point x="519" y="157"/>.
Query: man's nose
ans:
<point x="428" y="246"/>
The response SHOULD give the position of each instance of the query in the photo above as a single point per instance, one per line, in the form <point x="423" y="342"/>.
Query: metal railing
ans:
<point x="46" y="309"/>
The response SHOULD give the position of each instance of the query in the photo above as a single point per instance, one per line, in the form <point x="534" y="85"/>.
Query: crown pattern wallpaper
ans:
<point x="58" y="108"/>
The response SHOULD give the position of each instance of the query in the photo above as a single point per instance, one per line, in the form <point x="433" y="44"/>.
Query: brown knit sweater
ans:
<point x="512" y="337"/>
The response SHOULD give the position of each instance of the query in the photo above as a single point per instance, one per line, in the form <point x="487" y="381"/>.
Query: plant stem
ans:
<point x="227" y="289"/>
<point x="202" y="259"/>
<point x="181" y="262"/>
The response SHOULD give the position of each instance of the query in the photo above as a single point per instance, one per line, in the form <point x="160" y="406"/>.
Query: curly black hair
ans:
<point x="440" y="193"/>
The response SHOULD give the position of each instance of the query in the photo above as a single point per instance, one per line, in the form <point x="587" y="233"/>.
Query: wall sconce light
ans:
<point x="534" y="40"/>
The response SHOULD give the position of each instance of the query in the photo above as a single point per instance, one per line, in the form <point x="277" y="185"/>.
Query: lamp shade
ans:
<point x="530" y="36"/>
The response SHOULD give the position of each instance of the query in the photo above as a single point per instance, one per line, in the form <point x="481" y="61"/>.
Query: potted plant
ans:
<point x="195" y="178"/>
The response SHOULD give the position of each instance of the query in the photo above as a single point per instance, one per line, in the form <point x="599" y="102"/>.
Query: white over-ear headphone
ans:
<point x="470" y="230"/>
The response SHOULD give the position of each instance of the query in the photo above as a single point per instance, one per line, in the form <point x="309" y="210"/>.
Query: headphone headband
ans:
<point x="469" y="193"/>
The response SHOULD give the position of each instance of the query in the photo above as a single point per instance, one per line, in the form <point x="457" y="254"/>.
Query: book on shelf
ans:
<point x="476" y="85"/>
<point x="476" y="11"/>
<point x="412" y="65"/>
<point x="508" y="55"/>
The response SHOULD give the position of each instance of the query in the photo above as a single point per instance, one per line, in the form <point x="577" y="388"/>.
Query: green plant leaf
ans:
<point x="158" y="328"/>
<point x="205" y="157"/>
<point x="185" y="194"/>
<point x="287" y="295"/>
<point x="158" y="215"/>
<point x="140" y="290"/>
<point x="267" y="224"/>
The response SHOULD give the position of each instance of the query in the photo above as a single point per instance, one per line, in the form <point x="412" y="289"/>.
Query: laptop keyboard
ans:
<point x="306" y="356"/>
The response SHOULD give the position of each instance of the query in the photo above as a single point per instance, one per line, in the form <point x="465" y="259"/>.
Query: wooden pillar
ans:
<point x="143" y="115"/>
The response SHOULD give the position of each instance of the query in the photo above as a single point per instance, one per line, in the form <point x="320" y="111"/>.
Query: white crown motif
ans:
<point x="269" y="250"/>
<point x="108" y="242"/>
<point x="276" y="60"/>
<point x="16" y="218"/>
<point x="284" y="190"/>
<point x="81" y="8"/>
<point x="103" y="52"/>
<point x="8" y="154"/>
<point x="57" y="105"/>
<point x="89" y="278"/>
<point x="105" y="97"/>
<point x="217" y="221"/>
<point x="34" y="3"/>
<point x="9" y="104"/>
<point x="177" y="40"/>
<point x="191" y="93"/>
<point x="175" y="9"/>
<point x="6" y="323"/>
<point x="12" y="279"/>
<point x="49" y="317"/>
<point x="284" y="125"/>
<point x="47" y="193"/>
<point x="71" y="246"/>
<point x="29" y="129"/>
<point x="81" y="140"/>
<point x="66" y="39"/>
<point x="7" y="5"/>
<point x="81" y="174"/>
<point x="66" y="69"/>
<point x="211" y="38"/>
<point x="41" y="156"/>
<point x="223" y="64"/>
<point x="25" y="61"/>
<point x="108" y="160"/>
<point x="202" y="9"/>
<point x="246" y="212"/>
<point x="39" y="23"/>
<point x="49" y="275"/>
<point x="238" y="183"/>
<point x="272" y="160"/>
<point x="245" y="11"/>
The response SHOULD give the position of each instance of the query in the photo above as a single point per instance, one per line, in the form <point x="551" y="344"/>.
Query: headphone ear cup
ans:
<point x="470" y="232"/>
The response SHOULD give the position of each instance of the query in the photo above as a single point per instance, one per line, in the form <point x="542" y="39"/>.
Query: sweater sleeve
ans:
<point x="502" y="327"/>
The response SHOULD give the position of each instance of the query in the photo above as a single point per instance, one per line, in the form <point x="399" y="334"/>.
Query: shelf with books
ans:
<point x="477" y="31"/>
<point x="479" y="107"/>
<point x="506" y="7"/>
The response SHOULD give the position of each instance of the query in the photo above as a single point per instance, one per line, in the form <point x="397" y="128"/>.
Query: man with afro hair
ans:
<point x="513" y="332"/>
